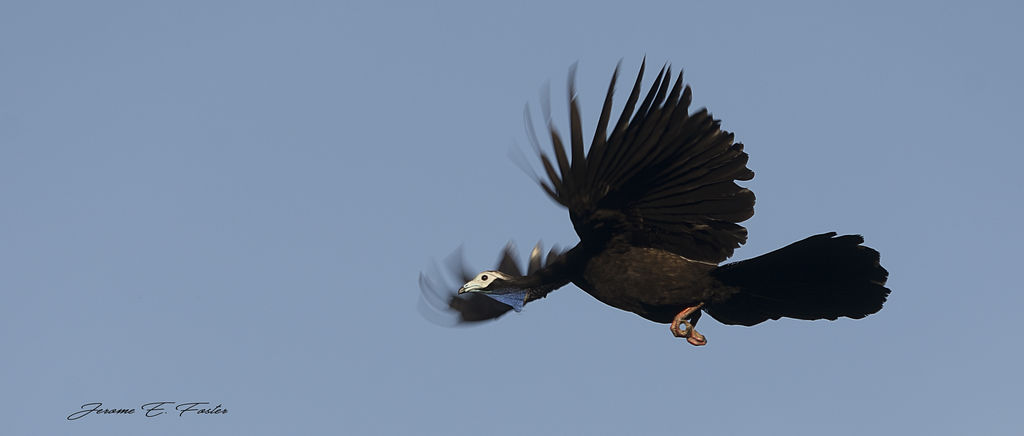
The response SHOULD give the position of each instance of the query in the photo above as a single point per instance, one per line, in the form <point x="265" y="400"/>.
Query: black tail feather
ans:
<point x="821" y="277"/>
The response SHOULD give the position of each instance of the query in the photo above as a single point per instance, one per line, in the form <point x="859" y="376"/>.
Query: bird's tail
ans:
<point x="823" y="276"/>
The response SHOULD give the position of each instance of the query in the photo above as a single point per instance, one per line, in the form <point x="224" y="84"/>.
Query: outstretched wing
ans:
<point x="474" y="307"/>
<point x="662" y="178"/>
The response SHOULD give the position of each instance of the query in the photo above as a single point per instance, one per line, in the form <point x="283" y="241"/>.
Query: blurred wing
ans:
<point x="663" y="178"/>
<point x="440" y="294"/>
<point x="538" y="261"/>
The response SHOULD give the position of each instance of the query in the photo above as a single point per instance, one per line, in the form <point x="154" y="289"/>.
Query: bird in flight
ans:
<point x="657" y="209"/>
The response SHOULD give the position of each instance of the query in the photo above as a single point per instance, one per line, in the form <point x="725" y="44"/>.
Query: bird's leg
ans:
<point x="684" y="318"/>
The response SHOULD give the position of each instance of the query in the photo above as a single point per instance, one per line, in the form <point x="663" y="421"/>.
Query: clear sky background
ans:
<point x="232" y="201"/>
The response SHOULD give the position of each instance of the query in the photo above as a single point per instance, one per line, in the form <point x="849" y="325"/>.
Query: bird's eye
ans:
<point x="483" y="277"/>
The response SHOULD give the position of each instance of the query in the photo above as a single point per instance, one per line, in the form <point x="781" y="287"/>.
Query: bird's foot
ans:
<point x="696" y="338"/>
<point x="691" y="334"/>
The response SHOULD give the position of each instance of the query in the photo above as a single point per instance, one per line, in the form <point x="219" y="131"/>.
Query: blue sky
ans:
<point x="231" y="202"/>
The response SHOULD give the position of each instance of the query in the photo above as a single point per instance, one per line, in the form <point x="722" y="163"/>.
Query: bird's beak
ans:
<point x="469" y="287"/>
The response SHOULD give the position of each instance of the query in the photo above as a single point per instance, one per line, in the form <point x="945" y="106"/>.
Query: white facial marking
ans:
<point x="482" y="281"/>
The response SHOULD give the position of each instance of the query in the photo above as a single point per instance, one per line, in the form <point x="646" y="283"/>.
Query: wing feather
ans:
<point x="664" y="177"/>
<point x="439" y="295"/>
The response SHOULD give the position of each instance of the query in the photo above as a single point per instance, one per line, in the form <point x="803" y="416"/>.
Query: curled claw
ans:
<point x="692" y="335"/>
<point x="681" y="333"/>
<point x="696" y="338"/>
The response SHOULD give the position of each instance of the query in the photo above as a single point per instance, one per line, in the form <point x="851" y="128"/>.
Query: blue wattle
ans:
<point x="515" y="298"/>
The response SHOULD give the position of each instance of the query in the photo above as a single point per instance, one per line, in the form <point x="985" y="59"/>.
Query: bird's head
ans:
<point x="499" y="286"/>
<point x="487" y="282"/>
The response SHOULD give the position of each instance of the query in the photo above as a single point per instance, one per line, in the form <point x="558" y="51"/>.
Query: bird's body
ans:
<point x="657" y="208"/>
<point x="649" y="282"/>
<point x="653" y="283"/>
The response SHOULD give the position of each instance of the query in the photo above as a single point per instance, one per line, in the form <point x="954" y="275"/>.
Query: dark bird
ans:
<point x="656" y="206"/>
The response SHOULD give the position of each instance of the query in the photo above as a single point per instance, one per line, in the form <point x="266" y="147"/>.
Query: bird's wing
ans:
<point x="474" y="307"/>
<point x="662" y="177"/>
